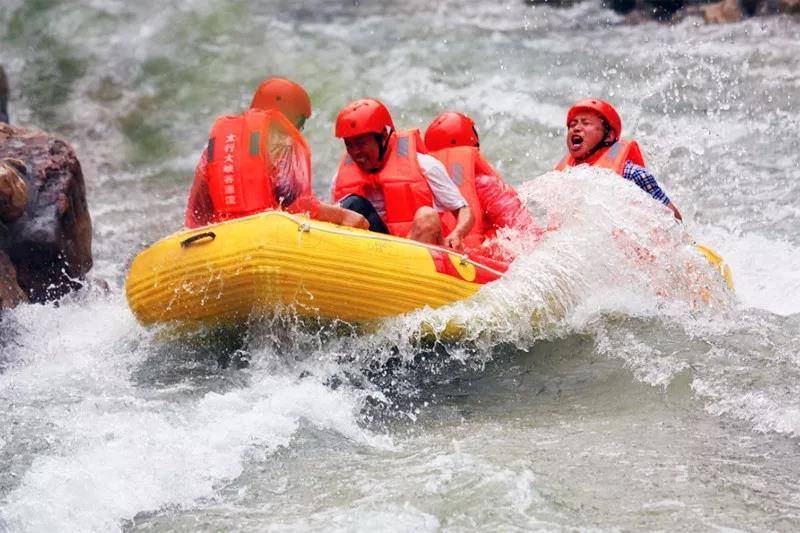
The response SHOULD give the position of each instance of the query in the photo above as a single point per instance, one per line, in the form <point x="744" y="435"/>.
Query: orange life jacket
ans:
<point x="613" y="157"/>
<point x="463" y="163"/>
<point x="240" y="171"/>
<point x="401" y="181"/>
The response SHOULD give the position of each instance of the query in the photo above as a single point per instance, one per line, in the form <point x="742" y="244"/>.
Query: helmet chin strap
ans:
<point x="477" y="137"/>
<point x="383" y="147"/>
<point x="383" y="144"/>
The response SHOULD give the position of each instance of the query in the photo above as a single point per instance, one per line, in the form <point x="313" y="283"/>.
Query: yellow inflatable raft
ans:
<point x="717" y="262"/>
<point x="224" y="272"/>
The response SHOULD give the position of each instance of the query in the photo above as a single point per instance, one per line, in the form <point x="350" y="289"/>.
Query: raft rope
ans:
<point x="305" y="226"/>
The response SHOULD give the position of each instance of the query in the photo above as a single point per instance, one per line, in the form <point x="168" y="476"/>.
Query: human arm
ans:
<point x="675" y="212"/>
<point x="325" y="212"/>
<point x="199" y="209"/>
<point x="464" y="222"/>
<point x="340" y="215"/>
<point x="646" y="181"/>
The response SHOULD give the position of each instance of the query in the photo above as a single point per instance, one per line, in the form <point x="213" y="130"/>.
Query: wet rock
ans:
<point x="3" y="96"/>
<point x="637" y="16"/>
<point x="10" y="292"/>
<point x="722" y="12"/>
<point x="642" y="11"/>
<point x="623" y="7"/>
<point x="51" y="243"/>
<point x="789" y="6"/>
<point x="750" y="7"/>
<point x="664" y="10"/>
<point x="13" y="190"/>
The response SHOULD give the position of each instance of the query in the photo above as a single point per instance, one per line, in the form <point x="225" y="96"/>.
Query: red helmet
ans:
<point x="363" y="116"/>
<point x="450" y="129"/>
<point x="284" y="95"/>
<point x="602" y="107"/>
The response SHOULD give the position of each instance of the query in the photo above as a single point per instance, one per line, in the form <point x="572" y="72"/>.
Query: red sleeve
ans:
<point x="501" y="204"/>
<point x="199" y="208"/>
<point x="306" y="204"/>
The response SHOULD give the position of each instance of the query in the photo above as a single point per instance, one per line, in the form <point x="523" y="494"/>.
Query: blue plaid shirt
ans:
<point x="645" y="180"/>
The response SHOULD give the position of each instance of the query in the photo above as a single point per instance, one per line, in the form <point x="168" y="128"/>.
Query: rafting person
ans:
<point x="259" y="160"/>
<point x="453" y="139"/>
<point x="593" y="138"/>
<point x="386" y="176"/>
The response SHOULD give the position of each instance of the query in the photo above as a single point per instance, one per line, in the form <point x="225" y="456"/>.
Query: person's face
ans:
<point x="365" y="151"/>
<point x="584" y="132"/>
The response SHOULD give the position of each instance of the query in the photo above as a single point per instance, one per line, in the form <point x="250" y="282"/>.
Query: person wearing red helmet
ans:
<point x="452" y="139"/>
<point x="593" y="138"/>
<point x="387" y="176"/>
<point x="259" y="161"/>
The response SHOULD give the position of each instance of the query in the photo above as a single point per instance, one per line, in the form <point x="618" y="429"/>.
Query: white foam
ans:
<point x="613" y="246"/>
<point x="766" y="270"/>
<point x="117" y="449"/>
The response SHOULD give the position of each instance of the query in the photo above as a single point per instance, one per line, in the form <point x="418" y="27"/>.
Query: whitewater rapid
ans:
<point x="595" y="390"/>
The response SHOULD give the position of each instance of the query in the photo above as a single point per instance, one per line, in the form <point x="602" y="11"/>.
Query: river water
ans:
<point x="629" y="402"/>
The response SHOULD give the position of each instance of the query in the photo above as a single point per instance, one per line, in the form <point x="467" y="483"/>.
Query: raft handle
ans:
<point x="185" y="243"/>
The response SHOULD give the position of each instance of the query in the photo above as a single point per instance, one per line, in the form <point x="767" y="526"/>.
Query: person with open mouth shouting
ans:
<point x="593" y="138"/>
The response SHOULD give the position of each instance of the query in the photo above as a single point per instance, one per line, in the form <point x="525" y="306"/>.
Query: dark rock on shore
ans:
<point x="3" y="96"/>
<point x="637" y="9"/>
<point x="789" y="6"/>
<point x="554" y="3"/>
<point x="50" y="242"/>
<point x="662" y="10"/>
<point x="13" y="200"/>
<point x="735" y="10"/>
<point x="722" y="11"/>
<point x="13" y="190"/>
<point x="10" y="292"/>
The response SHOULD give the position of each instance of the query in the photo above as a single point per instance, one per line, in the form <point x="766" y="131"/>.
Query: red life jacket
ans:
<point x="463" y="163"/>
<point x="401" y="181"/>
<point x="240" y="171"/>
<point x="613" y="157"/>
